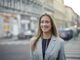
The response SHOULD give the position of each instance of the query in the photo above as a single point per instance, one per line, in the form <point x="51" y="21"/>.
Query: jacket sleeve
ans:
<point x="61" y="54"/>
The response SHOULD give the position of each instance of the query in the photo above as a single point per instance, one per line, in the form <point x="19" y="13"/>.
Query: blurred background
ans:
<point x="18" y="23"/>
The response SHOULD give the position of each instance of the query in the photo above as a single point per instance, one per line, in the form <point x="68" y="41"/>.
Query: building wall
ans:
<point x="20" y="7"/>
<point x="6" y="23"/>
<point x="32" y="9"/>
<point x="59" y="13"/>
<point x="59" y="5"/>
<point x="78" y="21"/>
<point x="1" y="26"/>
<point x="71" y="17"/>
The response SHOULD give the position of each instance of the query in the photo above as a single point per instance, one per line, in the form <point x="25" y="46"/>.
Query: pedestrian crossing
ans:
<point x="72" y="49"/>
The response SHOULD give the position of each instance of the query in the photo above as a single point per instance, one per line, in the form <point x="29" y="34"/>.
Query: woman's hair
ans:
<point x="39" y="32"/>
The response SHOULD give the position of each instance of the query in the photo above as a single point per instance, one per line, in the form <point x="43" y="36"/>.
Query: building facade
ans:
<point x="59" y="13"/>
<point x="72" y="18"/>
<point x="24" y="14"/>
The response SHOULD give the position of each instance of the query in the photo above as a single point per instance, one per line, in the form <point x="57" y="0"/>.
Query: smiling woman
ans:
<point x="45" y="24"/>
<point x="46" y="45"/>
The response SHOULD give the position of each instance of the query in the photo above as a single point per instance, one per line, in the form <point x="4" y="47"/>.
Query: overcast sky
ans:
<point x="75" y="4"/>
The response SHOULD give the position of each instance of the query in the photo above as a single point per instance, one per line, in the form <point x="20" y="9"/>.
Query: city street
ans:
<point x="72" y="49"/>
<point x="22" y="19"/>
<point x="17" y="49"/>
<point x="14" y="50"/>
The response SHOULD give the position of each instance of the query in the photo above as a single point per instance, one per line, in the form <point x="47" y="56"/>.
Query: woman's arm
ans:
<point x="61" y="54"/>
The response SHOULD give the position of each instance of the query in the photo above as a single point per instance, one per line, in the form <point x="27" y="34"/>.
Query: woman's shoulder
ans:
<point x="57" y="38"/>
<point x="60" y="40"/>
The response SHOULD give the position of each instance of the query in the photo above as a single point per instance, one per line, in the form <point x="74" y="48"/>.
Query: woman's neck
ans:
<point x="46" y="35"/>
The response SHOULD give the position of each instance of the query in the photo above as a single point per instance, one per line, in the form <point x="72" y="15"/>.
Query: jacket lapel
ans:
<point x="49" y="49"/>
<point x="50" y="46"/>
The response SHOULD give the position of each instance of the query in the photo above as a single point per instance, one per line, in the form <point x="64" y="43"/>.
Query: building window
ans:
<point x="5" y="3"/>
<point x="1" y="2"/>
<point x="17" y="4"/>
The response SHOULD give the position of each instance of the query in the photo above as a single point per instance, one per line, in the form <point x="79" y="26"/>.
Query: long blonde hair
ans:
<point x="39" y="32"/>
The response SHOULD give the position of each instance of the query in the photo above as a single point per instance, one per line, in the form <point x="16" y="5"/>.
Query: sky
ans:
<point x="74" y="4"/>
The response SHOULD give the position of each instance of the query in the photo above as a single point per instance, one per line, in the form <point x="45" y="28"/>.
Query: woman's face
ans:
<point x="45" y="24"/>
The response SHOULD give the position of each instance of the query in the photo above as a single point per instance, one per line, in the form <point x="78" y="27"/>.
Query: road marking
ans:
<point x="14" y="42"/>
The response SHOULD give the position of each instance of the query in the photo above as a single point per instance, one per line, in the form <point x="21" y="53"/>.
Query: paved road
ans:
<point x="72" y="49"/>
<point x="14" y="50"/>
<point x="17" y="49"/>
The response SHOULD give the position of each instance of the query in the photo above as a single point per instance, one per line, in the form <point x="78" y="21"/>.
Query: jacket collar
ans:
<point x="50" y="46"/>
<point x="49" y="49"/>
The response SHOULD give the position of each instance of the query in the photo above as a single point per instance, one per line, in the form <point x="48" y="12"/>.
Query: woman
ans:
<point x="46" y="45"/>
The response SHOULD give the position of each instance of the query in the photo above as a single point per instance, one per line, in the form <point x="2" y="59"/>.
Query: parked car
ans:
<point x="21" y="36"/>
<point x="66" y="34"/>
<point x="25" y="35"/>
<point x="7" y="35"/>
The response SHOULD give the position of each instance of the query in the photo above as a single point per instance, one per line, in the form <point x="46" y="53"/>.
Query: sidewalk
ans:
<point x="8" y="39"/>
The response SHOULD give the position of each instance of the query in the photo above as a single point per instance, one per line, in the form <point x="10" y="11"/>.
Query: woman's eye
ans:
<point x="42" y="21"/>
